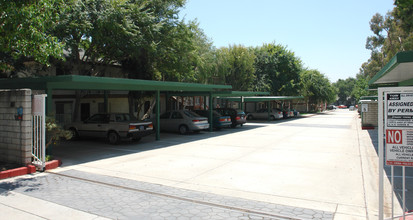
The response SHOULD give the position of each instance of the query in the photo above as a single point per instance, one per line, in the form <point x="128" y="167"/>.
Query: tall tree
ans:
<point x="392" y="34"/>
<point x="25" y="32"/>
<point x="236" y="65"/>
<point x="277" y="69"/>
<point x="316" y="88"/>
<point x="345" y="89"/>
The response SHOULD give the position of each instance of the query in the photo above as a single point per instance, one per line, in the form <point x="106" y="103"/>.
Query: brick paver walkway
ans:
<point x="119" y="198"/>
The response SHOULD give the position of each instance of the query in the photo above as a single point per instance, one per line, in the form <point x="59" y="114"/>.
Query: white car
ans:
<point x="113" y="126"/>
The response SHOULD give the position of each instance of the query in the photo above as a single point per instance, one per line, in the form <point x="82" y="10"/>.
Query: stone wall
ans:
<point x="369" y="118"/>
<point x="15" y="135"/>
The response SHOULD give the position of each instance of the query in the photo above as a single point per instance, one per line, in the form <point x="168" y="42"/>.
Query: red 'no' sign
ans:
<point x="393" y="136"/>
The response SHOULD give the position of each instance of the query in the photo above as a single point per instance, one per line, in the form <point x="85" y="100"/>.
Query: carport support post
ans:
<point x="105" y="101"/>
<point x="49" y="101"/>
<point x="157" y="109"/>
<point x="210" y="113"/>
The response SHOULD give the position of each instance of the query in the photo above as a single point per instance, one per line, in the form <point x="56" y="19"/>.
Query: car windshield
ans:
<point x="191" y="114"/>
<point x="99" y="118"/>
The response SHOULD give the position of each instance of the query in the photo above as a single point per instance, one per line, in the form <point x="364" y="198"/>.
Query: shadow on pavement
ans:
<point x="93" y="149"/>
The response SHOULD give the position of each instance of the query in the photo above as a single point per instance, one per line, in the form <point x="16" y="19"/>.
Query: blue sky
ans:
<point x="327" y="35"/>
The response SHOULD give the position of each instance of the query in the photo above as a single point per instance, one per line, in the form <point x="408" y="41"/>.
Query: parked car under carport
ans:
<point x="219" y="121"/>
<point x="238" y="117"/>
<point x="113" y="126"/>
<point x="183" y="121"/>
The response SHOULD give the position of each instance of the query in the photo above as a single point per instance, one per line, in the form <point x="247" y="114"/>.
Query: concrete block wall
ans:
<point x="370" y="118"/>
<point x="15" y="135"/>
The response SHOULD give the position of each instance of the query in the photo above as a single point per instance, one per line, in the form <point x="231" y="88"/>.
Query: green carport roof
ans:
<point x="264" y="98"/>
<point x="397" y="72"/>
<point x="369" y="98"/>
<point x="219" y="94"/>
<point x="238" y="93"/>
<point x="76" y="82"/>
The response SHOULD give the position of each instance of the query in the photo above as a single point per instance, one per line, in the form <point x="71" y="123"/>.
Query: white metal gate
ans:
<point x="39" y="131"/>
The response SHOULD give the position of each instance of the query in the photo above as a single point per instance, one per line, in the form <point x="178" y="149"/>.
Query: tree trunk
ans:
<point x="147" y="113"/>
<point x="76" y="115"/>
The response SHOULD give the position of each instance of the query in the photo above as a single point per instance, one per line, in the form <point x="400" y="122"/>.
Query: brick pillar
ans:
<point x="15" y="135"/>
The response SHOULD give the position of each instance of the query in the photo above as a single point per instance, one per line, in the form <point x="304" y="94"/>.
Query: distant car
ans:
<point x="113" y="126"/>
<point x="285" y="113"/>
<point x="352" y="108"/>
<point x="342" y="106"/>
<point x="183" y="121"/>
<point x="331" y="107"/>
<point x="220" y="121"/>
<point x="296" y="113"/>
<point x="264" y="114"/>
<point x="238" y="117"/>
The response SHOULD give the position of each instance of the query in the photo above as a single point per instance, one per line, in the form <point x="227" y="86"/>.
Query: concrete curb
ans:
<point x="28" y="169"/>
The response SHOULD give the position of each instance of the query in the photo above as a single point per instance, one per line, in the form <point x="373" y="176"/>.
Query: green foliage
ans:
<point x="277" y="70"/>
<point x="25" y="31"/>
<point x="54" y="132"/>
<point x="345" y="88"/>
<point x="316" y="88"/>
<point x="360" y="88"/>
<point x="145" y="37"/>
<point x="233" y="65"/>
<point x="392" y="34"/>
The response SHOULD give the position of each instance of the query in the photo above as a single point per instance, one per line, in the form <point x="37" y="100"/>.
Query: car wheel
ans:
<point x="183" y="129"/>
<point x="233" y="125"/>
<point x="272" y="117"/>
<point x="75" y="135"/>
<point x="249" y="117"/>
<point x="113" y="137"/>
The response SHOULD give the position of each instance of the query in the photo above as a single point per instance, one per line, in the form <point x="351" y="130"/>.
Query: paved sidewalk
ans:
<point x="117" y="198"/>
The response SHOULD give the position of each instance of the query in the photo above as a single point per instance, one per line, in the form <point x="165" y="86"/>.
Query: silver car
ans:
<point x="263" y="114"/>
<point x="183" y="121"/>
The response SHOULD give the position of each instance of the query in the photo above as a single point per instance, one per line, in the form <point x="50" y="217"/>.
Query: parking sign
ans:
<point x="399" y="128"/>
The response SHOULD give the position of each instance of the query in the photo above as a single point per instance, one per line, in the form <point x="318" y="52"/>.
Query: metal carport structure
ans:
<point x="266" y="99"/>
<point x="397" y="72"/>
<point x="77" y="82"/>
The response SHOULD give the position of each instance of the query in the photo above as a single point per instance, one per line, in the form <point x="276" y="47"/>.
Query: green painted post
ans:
<point x="49" y="101"/>
<point x="167" y="101"/>
<point x="158" y="112"/>
<point x="210" y="113"/>
<point x="105" y="100"/>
